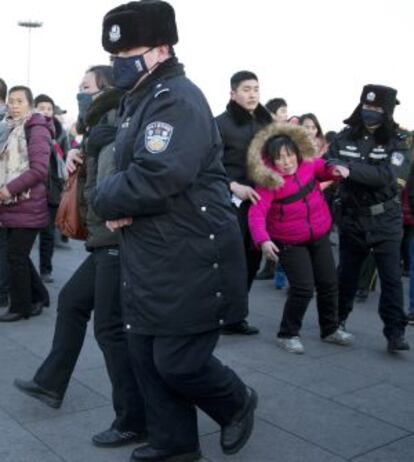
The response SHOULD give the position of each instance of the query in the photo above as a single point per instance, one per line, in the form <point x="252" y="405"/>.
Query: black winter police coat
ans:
<point x="369" y="197"/>
<point x="182" y="259"/>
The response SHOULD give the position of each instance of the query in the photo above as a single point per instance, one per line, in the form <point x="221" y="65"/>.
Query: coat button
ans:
<point x="204" y="209"/>
<point x="218" y="294"/>
<point x="124" y="284"/>
<point x="212" y="237"/>
<point x="128" y="326"/>
<point x="221" y="322"/>
<point x="215" y="265"/>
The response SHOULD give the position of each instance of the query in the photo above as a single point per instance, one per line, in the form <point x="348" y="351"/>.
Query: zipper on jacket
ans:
<point x="307" y="207"/>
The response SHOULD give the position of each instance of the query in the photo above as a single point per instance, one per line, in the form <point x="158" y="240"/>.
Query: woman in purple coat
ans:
<point x="24" y="158"/>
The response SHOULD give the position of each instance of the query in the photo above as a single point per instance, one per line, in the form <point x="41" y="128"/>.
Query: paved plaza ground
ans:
<point x="332" y="404"/>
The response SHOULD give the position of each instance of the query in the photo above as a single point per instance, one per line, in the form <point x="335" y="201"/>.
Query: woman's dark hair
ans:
<point x="314" y="119"/>
<point x="273" y="146"/>
<point x="274" y="104"/>
<point x="103" y="76"/>
<point x="3" y="90"/>
<point x="25" y="90"/>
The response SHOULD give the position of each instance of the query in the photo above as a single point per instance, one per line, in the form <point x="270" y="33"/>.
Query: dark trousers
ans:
<point x="368" y="274"/>
<point x="4" y="267"/>
<point x="408" y="232"/>
<point x="47" y="243"/>
<point x="176" y="374"/>
<point x="253" y="255"/>
<point x="353" y="250"/>
<point x="26" y="286"/>
<point x="308" y="266"/>
<point x="95" y="286"/>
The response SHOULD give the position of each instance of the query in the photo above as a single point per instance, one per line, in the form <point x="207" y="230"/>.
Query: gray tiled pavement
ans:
<point x="332" y="404"/>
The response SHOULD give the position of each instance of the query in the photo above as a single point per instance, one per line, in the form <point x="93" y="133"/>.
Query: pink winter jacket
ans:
<point x="304" y="220"/>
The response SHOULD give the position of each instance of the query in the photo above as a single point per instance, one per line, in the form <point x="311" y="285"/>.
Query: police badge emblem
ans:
<point x="371" y="96"/>
<point x="115" y="33"/>
<point x="158" y="136"/>
<point x="397" y="159"/>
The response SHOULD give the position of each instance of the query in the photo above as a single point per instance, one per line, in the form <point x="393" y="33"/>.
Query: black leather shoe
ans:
<point x="236" y="434"/>
<point x="113" y="438"/>
<point x="241" y="328"/>
<point x="12" y="317"/>
<point x="31" y="388"/>
<point x="398" y="344"/>
<point x="146" y="453"/>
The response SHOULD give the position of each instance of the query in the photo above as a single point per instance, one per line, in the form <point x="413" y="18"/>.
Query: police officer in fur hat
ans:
<point x="376" y="152"/>
<point x="182" y="260"/>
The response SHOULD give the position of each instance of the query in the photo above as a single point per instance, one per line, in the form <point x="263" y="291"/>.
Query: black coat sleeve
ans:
<point x="153" y="178"/>
<point x="379" y="176"/>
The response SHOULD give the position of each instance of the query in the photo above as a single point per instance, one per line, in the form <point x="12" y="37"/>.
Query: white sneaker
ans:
<point x="291" y="344"/>
<point x="339" y="337"/>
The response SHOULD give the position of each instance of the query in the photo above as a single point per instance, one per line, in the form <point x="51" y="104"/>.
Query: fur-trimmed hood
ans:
<point x="265" y="175"/>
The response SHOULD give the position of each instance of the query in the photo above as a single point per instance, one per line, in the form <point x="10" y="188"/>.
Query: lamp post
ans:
<point x="29" y="25"/>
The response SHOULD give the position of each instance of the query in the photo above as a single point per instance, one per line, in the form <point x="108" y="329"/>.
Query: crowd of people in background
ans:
<point x="162" y="182"/>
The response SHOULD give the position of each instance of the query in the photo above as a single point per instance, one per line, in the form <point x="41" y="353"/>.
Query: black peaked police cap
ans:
<point x="134" y="24"/>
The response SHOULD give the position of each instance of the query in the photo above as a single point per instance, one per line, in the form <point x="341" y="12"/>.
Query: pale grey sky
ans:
<point x="316" y="54"/>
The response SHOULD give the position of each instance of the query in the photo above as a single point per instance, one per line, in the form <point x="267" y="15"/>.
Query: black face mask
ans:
<point x="127" y="71"/>
<point x="372" y="118"/>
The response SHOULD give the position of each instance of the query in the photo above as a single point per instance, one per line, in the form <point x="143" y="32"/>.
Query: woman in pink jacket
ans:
<point x="292" y="220"/>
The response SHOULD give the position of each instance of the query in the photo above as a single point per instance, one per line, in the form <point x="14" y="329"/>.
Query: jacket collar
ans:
<point x="243" y="117"/>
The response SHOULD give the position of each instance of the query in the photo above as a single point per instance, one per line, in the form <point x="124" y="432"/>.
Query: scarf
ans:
<point x="14" y="156"/>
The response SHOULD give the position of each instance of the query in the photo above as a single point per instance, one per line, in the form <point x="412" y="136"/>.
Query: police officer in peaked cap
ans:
<point x="182" y="260"/>
<point x="377" y="153"/>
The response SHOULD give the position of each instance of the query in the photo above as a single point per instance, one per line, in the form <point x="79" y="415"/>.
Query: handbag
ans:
<point x="68" y="216"/>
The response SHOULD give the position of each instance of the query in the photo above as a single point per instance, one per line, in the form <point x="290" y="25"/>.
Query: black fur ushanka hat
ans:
<point x="143" y="23"/>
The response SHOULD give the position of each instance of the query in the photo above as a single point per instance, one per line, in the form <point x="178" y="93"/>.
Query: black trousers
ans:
<point x="353" y="250"/>
<point x="307" y="266"/>
<point x="253" y="255"/>
<point x="176" y="374"/>
<point x="368" y="274"/>
<point x="26" y="287"/>
<point x="47" y="243"/>
<point x="95" y="286"/>
<point x="4" y="267"/>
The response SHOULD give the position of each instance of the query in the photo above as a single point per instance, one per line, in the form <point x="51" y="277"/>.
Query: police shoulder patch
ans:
<point x="158" y="136"/>
<point x="397" y="158"/>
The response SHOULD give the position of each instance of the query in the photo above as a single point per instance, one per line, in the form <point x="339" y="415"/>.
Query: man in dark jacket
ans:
<point x="60" y="147"/>
<point x="375" y="150"/>
<point x="183" y="272"/>
<point x="243" y="117"/>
